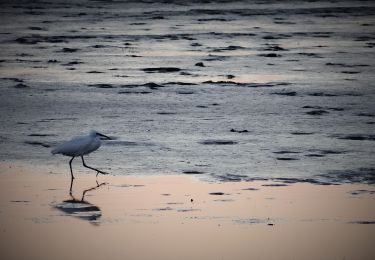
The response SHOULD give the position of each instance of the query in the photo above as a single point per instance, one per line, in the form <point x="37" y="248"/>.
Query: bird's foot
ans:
<point x="101" y="172"/>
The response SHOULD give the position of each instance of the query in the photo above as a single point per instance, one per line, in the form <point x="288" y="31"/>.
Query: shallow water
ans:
<point x="297" y="76"/>
<point x="173" y="217"/>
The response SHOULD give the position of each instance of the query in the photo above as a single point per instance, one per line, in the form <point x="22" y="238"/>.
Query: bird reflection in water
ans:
<point x="79" y="207"/>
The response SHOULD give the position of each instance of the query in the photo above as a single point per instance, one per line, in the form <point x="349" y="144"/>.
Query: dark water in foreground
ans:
<point x="228" y="91"/>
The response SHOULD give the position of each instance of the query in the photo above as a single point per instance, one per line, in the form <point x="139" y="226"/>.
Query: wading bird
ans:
<point x="80" y="146"/>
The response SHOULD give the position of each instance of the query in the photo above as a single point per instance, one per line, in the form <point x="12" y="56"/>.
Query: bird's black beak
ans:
<point x="104" y="136"/>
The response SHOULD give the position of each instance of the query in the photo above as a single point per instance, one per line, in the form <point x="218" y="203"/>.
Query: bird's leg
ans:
<point x="71" y="187"/>
<point x="71" y="170"/>
<point x="97" y="171"/>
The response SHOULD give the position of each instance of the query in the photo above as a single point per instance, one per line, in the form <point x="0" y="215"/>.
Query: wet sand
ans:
<point x="179" y="217"/>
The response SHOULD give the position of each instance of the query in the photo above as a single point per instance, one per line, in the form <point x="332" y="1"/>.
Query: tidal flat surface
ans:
<point x="174" y="217"/>
<point x="226" y="90"/>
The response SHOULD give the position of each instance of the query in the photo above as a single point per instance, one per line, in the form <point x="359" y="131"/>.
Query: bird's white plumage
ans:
<point x="79" y="146"/>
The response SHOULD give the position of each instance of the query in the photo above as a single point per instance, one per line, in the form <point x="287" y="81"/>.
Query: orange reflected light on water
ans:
<point x="176" y="217"/>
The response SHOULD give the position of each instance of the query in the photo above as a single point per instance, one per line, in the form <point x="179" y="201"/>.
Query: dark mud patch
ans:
<point x="301" y="180"/>
<point x="229" y="48"/>
<point x="366" y="114"/>
<point x="315" y="155"/>
<point x="218" y="142"/>
<point x="335" y="108"/>
<point x="163" y="209"/>
<point x="196" y="44"/>
<point x="276" y="36"/>
<point x="362" y="192"/>
<point x="41" y="135"/>
<point x="102" y="85"/>
<point x="212" y="57"/>
<point x="361" y="175"/>
<point x="275" y="185"/>
<point x="36" y="28"/>
<point x="27" y="40"/>
<point x="185" y="92"/>
<point x="166" y="113"/>
<point x="94" y="72"/>
<point x="13" y="79"/>
<point x="356" y="137"/>
<point x="252" y="221"/>
<point x="152" y="85"/>
<point x="249" y="85"/>
<point x="285" y="93"/>
<point x="239" y="131"/>
<point x="21" y="86"/>
<point x="46" y="120"/>
<point x="35" y="143"/>
<point x="187" y="210"/>
<point x="251" y="189"/>
<point x="318" y="112"/>
<point x="161" y="70"/>
<point x="179" y="83"/>
<point x="134" y="92"/>
<point x="327" y="108"/>
<point x="36" y="38"/>
<point x="218" y="193"/>
<point x="286" y="152"/>
<point x="309" y="54"/>
<point x="99" y="46"/>
<point x="343" y="65"/>
<point x="212" y="20"/>
<point x="270" y="55"/>
<point x="363" y="222"/>
<point x="175" y="203"/>
<point x="72" y="63"/>
<point x="286" y="159"/>
<point x="224" y="200"/>
<point x="69" y="50"/>
<point x="230" y="177"/>
<point x="273" y="47"/>
<point x="301" y="133"/>
<point x="326" y="152"/>
<point x="350" y="72"/>
<point x="323" y="94"/>
<point x="192" y="172"/>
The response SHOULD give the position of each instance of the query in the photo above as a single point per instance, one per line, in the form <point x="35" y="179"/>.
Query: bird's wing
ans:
<point x="92" y="146"/>
<point x="75" y="147"/>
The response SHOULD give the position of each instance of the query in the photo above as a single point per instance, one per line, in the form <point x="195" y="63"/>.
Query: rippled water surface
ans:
<point x="220" y="89"/>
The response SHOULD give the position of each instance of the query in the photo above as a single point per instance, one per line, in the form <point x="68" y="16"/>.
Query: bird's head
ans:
<point x="101" y="136"/>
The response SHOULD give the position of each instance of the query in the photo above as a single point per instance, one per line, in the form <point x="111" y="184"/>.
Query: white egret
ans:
<point x="80" y="146"/>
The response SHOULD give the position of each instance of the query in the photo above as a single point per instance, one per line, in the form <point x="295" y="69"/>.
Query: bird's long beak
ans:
<point x="106" y="137"/>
